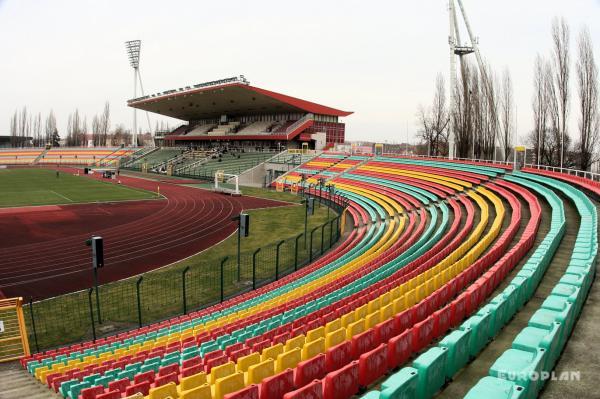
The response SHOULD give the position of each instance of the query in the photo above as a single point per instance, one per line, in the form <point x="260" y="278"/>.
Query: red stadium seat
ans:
<point x="363" y="342"/>
<point x="337" y="356"/>
<point x="92" y="393"/>
<point x="142" y="387"/>
<point x="110" y="395"/>
<point x="385" y="330"/>
<point x="342" y="383"/>
<point x="165" y="379"/>
<point x="250" y="392"/>
<point x="372" y="365"/>
<point x="146" y="376"/>
<point x="119" y="385"/>
<point x="278" y="385"/>
<point x="171" y="368"/>
<point x="309" y="370"/>
<point x="399" y="349"/>
<point x="191" y="370"/>
<point x="314" y="390"/>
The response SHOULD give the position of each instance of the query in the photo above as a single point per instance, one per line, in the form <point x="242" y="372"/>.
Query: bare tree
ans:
<point x="434" y="120"/>
<point x="14" y="129"/>
<point x="50" y="127"/>
<point x="561" y="70"/>
<point x="587" y="85"/>
<point x="540" y="109"/>
<point x="475" y="117"/>
<point x="104" y="126"/>
<point x="506" y="114"/>
<point x="37" y="130"/>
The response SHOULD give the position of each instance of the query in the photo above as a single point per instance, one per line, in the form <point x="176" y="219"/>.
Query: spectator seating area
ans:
<point x="325" y="166"/>
<point x="157" y="157"/>
<point x="104" y="156"/>
<point x="402" y="304"/>
<point x="233" y="127"/>
<point x="24" y="156"/>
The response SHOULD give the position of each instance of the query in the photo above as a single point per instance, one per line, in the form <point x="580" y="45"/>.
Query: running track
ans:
<point x="43" y="251"/>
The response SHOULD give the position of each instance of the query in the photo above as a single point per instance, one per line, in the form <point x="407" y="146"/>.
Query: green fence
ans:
<point x="173" y="291"/>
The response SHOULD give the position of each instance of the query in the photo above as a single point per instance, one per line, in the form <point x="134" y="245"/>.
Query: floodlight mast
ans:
<point x="133" y="52"/>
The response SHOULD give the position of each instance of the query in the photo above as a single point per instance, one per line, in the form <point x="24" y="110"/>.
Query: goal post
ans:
<point x="220" y="177"/>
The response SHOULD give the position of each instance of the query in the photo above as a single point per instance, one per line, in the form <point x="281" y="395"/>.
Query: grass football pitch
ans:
<point x="25" y="187"/>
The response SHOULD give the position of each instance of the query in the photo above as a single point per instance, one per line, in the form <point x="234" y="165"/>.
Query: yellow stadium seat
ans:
<point x="201" y="392"/>
<point x="296" y="342"/>
<point x="246" y="361"/>
<point x="386" y="311"/>
<point x="372" y="319"/>
<point x="355" y="328"/>
<point x="191" y="382"/>
<point x="164" y="392"/>
<point x="374" y="305"/>
<point x="361" y="312"/>
<point x="315" y="334"/>
<point x="335" y="337"/>
<point x="272" y="352"/>
<point x="258" y="372"/>
<point x="288" y="359"/>
<point x="229" y="384"/>
<point x="333" y="325"/>
<point x="313" y="348"/>
<point x="221" y="371"/>
<point x="347" y="319"/>
<point x="410" y="299"/>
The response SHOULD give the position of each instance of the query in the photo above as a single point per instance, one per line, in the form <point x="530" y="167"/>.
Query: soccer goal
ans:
<point x="221" y="186"/>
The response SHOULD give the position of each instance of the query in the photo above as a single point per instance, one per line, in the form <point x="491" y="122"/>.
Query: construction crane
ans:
<point x="457" y="49"/>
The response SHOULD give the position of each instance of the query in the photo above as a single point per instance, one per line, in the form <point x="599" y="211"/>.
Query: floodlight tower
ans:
<point x="133" y="52"/>
<point x="457" y="49"/>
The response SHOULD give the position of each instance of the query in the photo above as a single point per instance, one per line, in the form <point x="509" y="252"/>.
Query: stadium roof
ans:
<point x="233" y="99"/>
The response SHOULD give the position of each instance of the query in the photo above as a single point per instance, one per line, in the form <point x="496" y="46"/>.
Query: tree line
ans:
<point x="27" y="129"/>
<point x="483" y="117"/>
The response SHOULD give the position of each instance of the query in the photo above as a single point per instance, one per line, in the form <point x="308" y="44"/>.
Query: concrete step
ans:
<point x="16" y="383"/>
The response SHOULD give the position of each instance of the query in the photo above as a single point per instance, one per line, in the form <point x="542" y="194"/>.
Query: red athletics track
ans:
<point x="43" y="252"/>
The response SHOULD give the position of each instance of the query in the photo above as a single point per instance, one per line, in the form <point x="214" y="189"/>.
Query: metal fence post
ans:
<point x="331" y="233"/>
<point x="139" y="300"/>
<point x="323" y="236"/>
<point x="277" y="259"/>
<point x="254" y="268"/>
<point x="97" y="294"/>
<point x="223" y="277"/>
<point x="310" y="253"/>
<point x="296" y="252"/>
<point x="37" y="348"/>
<point x="337" y="227"/>
<point x="183" y="275"/>
<point x="92" y="313"/>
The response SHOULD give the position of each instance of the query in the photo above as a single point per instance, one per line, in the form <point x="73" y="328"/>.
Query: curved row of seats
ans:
<point x="19" y="156"/>
<point x="426" y="248"/>
<point x="84" y="156"/>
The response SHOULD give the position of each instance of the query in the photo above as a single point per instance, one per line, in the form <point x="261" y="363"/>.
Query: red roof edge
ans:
<point x="302" y="104"/>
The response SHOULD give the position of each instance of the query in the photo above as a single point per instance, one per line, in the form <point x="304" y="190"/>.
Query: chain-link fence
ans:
<point x="172" y="291"/>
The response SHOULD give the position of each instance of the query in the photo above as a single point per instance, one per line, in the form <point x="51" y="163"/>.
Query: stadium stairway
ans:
<point x="17" y="384"/>
<point x="39" y="157"/>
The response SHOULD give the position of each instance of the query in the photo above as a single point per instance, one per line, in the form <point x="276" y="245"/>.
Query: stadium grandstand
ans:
<point x="231" y="112"/>
<point x="437" y="261"/>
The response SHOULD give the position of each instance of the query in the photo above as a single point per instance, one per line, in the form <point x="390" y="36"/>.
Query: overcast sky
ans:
<point x="376" y="58"/>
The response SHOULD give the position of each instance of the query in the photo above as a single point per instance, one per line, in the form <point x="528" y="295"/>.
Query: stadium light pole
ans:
<point x="133" y="52"/>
